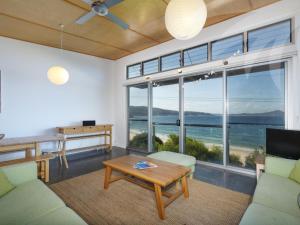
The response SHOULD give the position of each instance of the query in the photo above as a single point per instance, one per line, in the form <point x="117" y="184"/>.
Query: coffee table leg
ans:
<point x="107" y="177"/>
<point x="159" y="202"/>
<point x="185" y="189"/>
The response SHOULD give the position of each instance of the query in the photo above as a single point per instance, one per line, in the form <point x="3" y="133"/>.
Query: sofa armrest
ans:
<point x="20" y="173"/>
<point x="279" y="166"/>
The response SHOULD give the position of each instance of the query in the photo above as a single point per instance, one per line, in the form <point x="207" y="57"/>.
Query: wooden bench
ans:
<point x="27" y="144"/>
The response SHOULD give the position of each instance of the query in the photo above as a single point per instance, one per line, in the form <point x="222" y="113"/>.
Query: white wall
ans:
<point x="31" y="105"/>
<point x="276" y="12"/>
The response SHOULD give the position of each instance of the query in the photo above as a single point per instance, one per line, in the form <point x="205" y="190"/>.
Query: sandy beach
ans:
<point x="243" y="152"/>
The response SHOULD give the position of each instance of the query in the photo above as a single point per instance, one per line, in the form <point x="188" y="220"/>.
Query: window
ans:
<point x="195" y="55"/>
<point x="134" y="71"/>
<point x="227" y="47"/>
<point x="171" y="61"/>
<point x="150" y="66"/>
<point x="270" y="36"/>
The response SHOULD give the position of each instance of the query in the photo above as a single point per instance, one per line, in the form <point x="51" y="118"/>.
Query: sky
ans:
<point x="247" y="93"/>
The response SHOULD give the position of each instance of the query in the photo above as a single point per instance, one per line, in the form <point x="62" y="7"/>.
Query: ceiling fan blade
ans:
<point x="90" y="2"/>
<point x="117" y="21"/>
<point x="85" y="17"/>
<point x="110" y="3"/>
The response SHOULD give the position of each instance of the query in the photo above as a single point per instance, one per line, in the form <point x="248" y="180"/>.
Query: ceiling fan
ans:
<point x="102" y="9"/>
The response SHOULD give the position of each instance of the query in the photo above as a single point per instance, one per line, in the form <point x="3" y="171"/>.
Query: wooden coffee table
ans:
<point x="155" y="179"/>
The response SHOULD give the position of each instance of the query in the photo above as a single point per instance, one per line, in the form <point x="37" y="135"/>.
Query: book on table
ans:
<point x="142" y="165"/>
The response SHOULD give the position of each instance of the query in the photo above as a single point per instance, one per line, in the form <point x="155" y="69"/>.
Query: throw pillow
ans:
<point x="5" y="185"/>
<point x="295" y="173"/>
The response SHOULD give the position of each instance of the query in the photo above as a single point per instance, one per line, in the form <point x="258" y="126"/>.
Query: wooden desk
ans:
<point x="83" y="132"/>
<point x="8" y="145"/>
<point x="160" y="177"/>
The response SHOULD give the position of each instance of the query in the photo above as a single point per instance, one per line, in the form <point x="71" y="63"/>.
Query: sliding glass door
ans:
<point x="218" y="117"/>
<point x="256" y="101"/>
<point x="203" y="117"/>
<point x="138" y="117"/>
<point x="165" y="115"/>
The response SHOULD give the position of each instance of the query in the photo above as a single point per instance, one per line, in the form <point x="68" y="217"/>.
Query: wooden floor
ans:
<point x="126" y="203"/>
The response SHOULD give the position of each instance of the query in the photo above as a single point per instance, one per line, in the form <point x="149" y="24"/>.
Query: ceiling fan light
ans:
<point x="185" y="18"/>
<point x="58" y="75"/>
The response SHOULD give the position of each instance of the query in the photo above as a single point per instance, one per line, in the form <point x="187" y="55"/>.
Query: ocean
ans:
<point x="244" y="130"/>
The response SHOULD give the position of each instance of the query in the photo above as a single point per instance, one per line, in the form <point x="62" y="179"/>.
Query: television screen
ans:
<point x="283" y="143"/>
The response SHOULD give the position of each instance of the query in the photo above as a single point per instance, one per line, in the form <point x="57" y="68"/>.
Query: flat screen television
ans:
<point x="283" y="143"/>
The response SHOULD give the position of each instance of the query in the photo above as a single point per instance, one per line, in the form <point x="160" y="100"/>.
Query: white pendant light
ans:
<point x="185" y="18"/>
<point x="57" y="74"/>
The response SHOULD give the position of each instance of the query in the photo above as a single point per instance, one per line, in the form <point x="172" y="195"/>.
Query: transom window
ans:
<point x="195" y="55"/>
<point x="171" y="61"/>
<point x="227" y="47"/>
<point x="270" y="36"/>
<point x="273" y="35"/>
<point x="134" y="71"/>
<point x="150" y="66"/>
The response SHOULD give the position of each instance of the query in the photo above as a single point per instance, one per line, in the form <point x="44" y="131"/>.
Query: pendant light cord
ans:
<point x="61" y="36"/>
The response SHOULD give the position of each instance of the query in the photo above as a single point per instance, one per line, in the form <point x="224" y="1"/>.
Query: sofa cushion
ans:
<point x="278" y="193"/>
<point x="5" y="185"/>
<point x="20" y="173"/>
<point x="257" y="214"/>
<point x="295" y="174"/>
<point x="279" y="166"/>
<point x="27" y="202"/>
<point x="62" y="216"/>
<point x="177" y="158"/>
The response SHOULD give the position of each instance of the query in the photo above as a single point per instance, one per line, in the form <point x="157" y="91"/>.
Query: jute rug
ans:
<point x="125" y="203"/>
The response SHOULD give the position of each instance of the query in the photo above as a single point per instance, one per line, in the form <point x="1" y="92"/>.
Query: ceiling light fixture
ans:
<point x="185" y="18"/>
<point x="57" y="74"/>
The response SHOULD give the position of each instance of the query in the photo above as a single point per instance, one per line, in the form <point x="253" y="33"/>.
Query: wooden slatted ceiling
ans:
<point x="38" y="21"/>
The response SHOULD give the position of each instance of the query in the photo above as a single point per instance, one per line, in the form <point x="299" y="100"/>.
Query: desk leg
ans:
<point x="41" y="170"/>
<point x="65" y="160"/>
<point x="110" y="138"/>
<point x="37" y="149"/>
<point x="107" y="177"/>
<point x="28" y="153"/>
<point x="46" y="171"/>
<point x="159" y="202"/>
<point x="64" y="154"/>
<point x="184" y="185"/>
